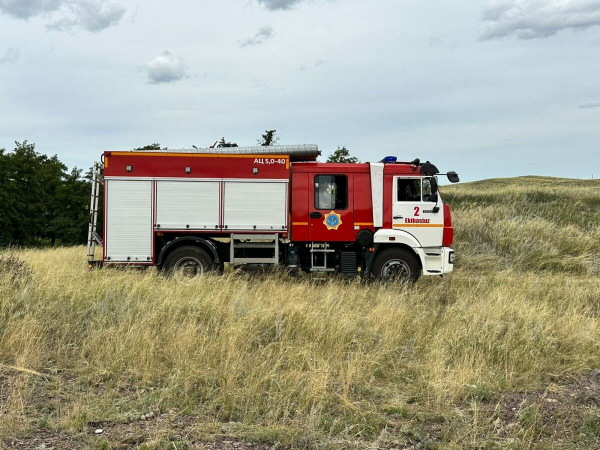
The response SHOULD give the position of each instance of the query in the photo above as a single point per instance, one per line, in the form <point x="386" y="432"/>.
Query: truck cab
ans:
<point x="390" y="213"/>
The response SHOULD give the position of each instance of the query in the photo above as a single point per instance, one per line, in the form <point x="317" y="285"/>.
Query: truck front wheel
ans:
<point x="396" y="264"/>
<point x="188" y="261"/>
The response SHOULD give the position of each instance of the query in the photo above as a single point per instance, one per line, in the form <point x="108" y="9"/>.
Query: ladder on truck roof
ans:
<point x="93" y="236"/>
<point x="303" y="152"/>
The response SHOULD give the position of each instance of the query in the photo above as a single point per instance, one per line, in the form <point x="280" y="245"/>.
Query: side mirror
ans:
<point x="453" y="177"/>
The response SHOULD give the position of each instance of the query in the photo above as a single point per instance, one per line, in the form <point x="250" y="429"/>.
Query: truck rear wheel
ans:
<point x="396" y="264"/>
<point x="188" y="261"/>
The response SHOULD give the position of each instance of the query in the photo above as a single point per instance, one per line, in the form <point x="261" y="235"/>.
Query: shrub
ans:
<point x="13" y="270"/>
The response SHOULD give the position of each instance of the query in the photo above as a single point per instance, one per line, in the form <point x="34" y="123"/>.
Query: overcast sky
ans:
<point x="489" y="89"/>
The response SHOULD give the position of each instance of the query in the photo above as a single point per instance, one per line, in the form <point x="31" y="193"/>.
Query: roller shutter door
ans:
<point x="191" y="205"/>
<point x="252" y="205"/>
<point x="128" y="221"/>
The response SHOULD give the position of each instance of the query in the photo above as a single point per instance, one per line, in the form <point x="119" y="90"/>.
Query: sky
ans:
<point x="485" y="88"/>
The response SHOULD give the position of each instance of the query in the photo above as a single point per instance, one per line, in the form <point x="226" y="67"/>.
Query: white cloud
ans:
<point x="24" y="9"/>
<point x="94" y="16"/>
<point x="530" y="19"/>
<point x="273" y="5"/>
<point x="165" y="68"/>
<point x="11" y="55"/>
<point x="590" y="106"/>
<point x="261" y="35"/>
<point x="64" y="15"/>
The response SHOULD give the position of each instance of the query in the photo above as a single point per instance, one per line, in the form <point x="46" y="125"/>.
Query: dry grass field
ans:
<point x="503" y="354"/>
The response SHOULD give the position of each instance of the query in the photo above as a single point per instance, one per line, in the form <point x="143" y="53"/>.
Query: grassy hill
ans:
<point x="528" y="224"/>
<point x="502" y="354"/>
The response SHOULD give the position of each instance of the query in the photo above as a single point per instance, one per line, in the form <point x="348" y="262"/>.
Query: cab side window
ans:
<point x="331" y="192"/>
<point x="409" y="190"/>
<point x="427" y="190"/>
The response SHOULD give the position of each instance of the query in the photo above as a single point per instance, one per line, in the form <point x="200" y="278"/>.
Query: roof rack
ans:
<point x="302" y="152"/>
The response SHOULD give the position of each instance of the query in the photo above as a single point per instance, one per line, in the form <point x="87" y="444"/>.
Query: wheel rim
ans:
<point x="395" y="269"/>
<point x="189" y="266"/>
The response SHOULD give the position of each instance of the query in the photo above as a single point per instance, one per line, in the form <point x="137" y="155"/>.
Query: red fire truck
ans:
<point x="192" y="211"/>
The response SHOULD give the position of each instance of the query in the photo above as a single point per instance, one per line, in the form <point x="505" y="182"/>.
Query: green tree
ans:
<point x="41" y="203"/>
<point x="35" y="179"/>
<point x="72" y="209"/>
<point x="342" y="155"/>
<point x="154" y="146"/>
<point x="269" y="138"/>
<point x="8" y="212"/>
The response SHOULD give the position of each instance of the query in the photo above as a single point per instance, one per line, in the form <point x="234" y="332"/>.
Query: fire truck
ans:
<point x="192" y="211"/>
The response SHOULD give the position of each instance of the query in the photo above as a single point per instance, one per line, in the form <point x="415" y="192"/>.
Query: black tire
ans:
<point x="189" y="261"/>
<point x="396" y="264"/>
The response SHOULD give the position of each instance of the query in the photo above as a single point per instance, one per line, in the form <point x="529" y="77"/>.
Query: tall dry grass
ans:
<point x="345" y="364"/>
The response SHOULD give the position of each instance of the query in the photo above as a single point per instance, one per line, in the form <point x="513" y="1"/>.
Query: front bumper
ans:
<point x="436" y="260"/>
<point x="448" y="259"/>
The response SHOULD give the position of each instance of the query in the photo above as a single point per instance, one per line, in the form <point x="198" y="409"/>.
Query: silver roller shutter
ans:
<point x="128" y="221"/>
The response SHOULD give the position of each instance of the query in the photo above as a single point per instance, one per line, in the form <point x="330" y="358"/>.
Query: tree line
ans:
<point x="43" y="203"/>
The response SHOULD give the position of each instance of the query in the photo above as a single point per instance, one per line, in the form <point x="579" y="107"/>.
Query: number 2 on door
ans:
<point x="416" y="211"/>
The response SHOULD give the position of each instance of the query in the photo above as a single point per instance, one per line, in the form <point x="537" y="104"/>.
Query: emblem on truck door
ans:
<point x="332" y="220"/>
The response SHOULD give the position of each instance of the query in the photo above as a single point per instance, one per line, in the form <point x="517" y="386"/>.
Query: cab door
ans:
<point x="415" y="210"/>
<point x="331" y="207"/>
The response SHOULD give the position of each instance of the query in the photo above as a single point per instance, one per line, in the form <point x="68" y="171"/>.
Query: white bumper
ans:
<point x="448" y="255"/>
<point x="436" y="260"/>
